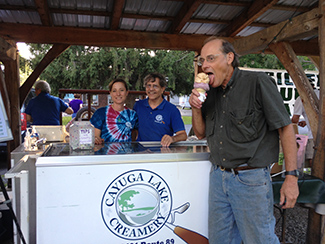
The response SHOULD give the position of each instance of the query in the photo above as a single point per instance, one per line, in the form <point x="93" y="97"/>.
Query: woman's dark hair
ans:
<point x="110" y="85"/>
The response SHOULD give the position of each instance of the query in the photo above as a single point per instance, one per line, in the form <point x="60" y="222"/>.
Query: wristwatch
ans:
<point x="292" y="172"/>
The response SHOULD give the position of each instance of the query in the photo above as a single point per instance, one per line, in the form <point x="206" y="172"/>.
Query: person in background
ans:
<point x="75" y="104"/>
<point x="44" y="109"/>
<point x="242" y="119"/>
<point x="299" y="110"/>
<point x="116" y="122"/>
<point x="159" y="120"/>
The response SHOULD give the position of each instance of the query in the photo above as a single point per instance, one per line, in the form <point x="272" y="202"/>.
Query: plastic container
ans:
<point x="82" y="135"/>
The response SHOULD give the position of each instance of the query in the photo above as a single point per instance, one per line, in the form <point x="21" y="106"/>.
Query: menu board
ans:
<point x="5" y="131"/>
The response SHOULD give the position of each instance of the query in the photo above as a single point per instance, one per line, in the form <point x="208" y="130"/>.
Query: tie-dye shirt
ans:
<point x="115" y="126"/>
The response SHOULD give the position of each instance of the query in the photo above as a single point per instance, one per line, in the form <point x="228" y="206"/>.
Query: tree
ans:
<point x="94" y="67"/>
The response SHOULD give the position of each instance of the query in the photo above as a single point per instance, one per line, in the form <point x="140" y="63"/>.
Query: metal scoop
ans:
<point x="181" y="209"/>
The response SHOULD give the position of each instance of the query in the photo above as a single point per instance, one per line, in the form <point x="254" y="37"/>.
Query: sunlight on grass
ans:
<point x="187" y="120"/>
<point x="66" y="120"/>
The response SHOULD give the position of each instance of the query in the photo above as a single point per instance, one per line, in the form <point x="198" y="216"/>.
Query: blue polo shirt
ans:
<point x="45" y="109"/>
<point x="155" y="123"/>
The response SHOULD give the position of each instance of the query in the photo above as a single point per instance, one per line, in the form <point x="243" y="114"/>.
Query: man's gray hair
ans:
<point x="43" y="86"/>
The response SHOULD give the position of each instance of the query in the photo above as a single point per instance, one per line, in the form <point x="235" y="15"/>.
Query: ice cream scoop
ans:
<point x="201" y="84"/>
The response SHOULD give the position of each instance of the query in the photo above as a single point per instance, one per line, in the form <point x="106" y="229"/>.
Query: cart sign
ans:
<point x="136" y="204"/>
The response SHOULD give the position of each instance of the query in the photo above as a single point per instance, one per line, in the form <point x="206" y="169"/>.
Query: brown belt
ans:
<point x="235" y="170"/>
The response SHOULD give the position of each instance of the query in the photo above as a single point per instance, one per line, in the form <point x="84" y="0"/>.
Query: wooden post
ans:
<point x="13" y="82"/>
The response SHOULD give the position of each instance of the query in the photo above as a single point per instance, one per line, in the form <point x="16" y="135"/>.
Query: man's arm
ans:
<point x="69" y="110"/>
<point x="29" y="118"/>
<point x="289" y="191"/>
<point x="295" y="118"/>
<point x="166" y="140"/>
<point x="198" y="123"/>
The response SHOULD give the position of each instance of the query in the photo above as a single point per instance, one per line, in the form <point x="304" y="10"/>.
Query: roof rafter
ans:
<point x="185" y="13"/>
<point x="247" y="17"/>
<point x="301" y="26"/>
<point x="43" y="11"/>
<point x="117" y="12"/>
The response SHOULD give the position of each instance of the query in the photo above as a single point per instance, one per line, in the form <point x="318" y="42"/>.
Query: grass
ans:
<point x="187" y="120"/>
<point x="66" y="120"/>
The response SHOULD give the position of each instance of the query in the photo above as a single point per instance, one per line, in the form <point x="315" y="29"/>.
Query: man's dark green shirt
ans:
<point x="242" y="120"/>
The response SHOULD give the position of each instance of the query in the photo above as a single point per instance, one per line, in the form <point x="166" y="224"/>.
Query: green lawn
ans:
<point x="66" y="120"/>
<point x="187" y="120"/>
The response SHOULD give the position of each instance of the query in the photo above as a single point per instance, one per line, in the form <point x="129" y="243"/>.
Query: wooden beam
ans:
<point x="247" y="17"/>
<point x="315" y="232"/>
<point x="43" y="11"/>
<point x="12" y="83"/>
<point x="53" y="53"/>
<point x="7" y="51"/>
<point x="315" y="60"/>
<point x="320" y="139"/>
<point x="288" y="58"/>
<point x="185" y="13"/>
<point x="290" y="30"/>
<point x="117" y="12"/>
<point x="96" y="37"/>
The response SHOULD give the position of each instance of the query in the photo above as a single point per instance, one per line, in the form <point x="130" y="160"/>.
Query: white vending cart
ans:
<point x="123" y="193"/>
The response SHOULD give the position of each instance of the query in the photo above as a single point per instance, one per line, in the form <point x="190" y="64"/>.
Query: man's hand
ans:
<point x="166" y="140"/>
<point x="302" y="123"/>
<point x="289" y="192"/>
<point x="194" y="100"/>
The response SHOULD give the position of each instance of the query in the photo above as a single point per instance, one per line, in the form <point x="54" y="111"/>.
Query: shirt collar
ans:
<point x="160" y="106"/>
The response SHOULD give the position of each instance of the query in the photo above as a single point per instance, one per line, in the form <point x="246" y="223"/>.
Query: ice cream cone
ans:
<point x="202" y="96"/>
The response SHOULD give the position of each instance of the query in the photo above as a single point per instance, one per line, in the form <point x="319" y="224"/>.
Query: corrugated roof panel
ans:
<point x="191" y="28"/>
<point x="141" y="24"/>
<point x="148" y="6"/>
<point x="214" y="11"/>
<point x="276" y="16"/>
<point x="69" y="4"/>
<point x="132" y="6"/>
<point x="204" y="29"/>
<point x="304" y="3"/>
<point x="24" y="17"/>
<point x="159" y="26"/>
<point x="65" y="19"/>
<point x="152" y="7"/>
<point x="84" y="20"/>
<point x="100" y="22"/>
<point x="106" y="5"/>
<point x="29" y="3"/>
<point x="170" y="9"/>
<point x="127" y="23"/>
<point x="250" y="30"/>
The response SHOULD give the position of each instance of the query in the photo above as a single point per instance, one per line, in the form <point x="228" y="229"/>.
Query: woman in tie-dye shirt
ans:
<point x="115" y="122"/>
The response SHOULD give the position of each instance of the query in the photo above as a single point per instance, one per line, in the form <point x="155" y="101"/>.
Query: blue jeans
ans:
<point x="241" y="207"/>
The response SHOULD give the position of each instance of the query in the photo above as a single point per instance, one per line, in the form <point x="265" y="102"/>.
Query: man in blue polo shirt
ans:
<point x="159" y="120"/>
<point x="45" y="109"/>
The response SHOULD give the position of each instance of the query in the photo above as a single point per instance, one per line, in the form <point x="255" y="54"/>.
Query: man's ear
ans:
<point x="230" y="57"/>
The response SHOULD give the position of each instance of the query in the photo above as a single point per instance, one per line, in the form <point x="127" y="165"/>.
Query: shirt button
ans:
<point x="221" y="126"/>
<point x="221" y="143"/>
<point x="223" y="159"/>
<point x="224" y="95"/>
<point x="223" y="111"/>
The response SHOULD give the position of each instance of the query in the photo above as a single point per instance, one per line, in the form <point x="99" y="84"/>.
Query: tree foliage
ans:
<point x="270" y="61"/>
<point x="88" y="67"/>
<point x="82" y="67"/>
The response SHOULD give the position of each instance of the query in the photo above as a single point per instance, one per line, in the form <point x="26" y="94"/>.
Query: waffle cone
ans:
<point x="200" y="90"/>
